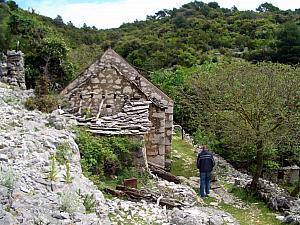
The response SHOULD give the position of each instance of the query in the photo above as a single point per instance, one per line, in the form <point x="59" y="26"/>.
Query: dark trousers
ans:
<point x="204" y="183"/>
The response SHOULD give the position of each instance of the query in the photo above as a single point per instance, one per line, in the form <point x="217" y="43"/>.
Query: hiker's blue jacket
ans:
<point x="205" y="161"/>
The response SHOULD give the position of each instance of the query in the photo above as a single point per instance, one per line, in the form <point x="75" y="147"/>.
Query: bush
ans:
<point x="45" y="103"/>
<point x="70" y="202"/>
<point x="63" y="152"/>
<point x="105" y="155"/>
<point x="8" y="179"/>
<point x="201" y="137"/>
<point x="89" y="201"/>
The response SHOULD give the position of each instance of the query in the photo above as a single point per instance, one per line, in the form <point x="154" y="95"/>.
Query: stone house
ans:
<point x="112" y="98"/>
<point x="284" y="175"/>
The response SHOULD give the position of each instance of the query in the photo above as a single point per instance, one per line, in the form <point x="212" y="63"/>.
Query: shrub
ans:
<point x="53" y="172"/>
<point x="45" y="103"/>
<point x="63" y="152"/>
<point x="105" y="155"/>
<point x="8" y="179"/>
<point x="89" y="201"/>
<point x="69" y="202"/>
<point x="30" y="103"/>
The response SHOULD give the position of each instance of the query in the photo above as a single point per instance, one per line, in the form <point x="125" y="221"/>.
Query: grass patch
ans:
<point x="107" y="161"/>
<point x="290" y="188"/>
<point x="183" y="158"/>
<point x="256" y="212"/>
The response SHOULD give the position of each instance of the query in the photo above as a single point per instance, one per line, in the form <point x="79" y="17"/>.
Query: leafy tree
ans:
<point x="54" y="51"/>
<point x="288" y="43"/>
<point x="4" y="31"/>
<point x="267" y="7"/>
<point x="252" y="107"/>
<point x="70" y="24"/>
<point x="213" y="5"/>
<point x="12" y="5"/>
<point x="58" y="21"/>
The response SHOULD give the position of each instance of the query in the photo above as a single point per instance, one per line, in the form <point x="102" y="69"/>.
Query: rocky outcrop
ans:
<point x="201" y="216"/>
<point x="28" y="195"/>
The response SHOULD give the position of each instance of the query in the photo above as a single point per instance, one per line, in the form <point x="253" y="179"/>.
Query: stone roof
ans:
<point x="110" y="59"/>
<point x="293" y="167"/>
<point x="133" y="120"/>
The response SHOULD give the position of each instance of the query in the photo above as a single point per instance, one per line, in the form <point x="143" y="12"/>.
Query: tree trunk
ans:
<point x="163" y="174"/>
<point x="296" y="191"/>
<point x="259" y="166"/>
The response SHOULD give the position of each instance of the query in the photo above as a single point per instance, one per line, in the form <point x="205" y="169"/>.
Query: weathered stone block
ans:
<point x="158" y="159"/>
<point x="127" y="90"/>
<point x="161" y="149"/>
<point x="169" y="110"/>
<point x="151" y="150"/>
<point x="95" y="80"/>
<point x="158" y="115"/>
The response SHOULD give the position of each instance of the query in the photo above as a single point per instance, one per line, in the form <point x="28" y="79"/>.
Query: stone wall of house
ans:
<point x="158" y="140"/>
<point x="105" y="87"/>
<point x="284" y="175"/>
<point x="12" y="69"/>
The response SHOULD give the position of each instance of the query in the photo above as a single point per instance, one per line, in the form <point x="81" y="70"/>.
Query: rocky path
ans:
<point x="276" y="197"/>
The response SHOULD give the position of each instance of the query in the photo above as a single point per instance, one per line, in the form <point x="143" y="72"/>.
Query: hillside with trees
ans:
<point x="232" y="74"/>
<point x="191" y="35"/>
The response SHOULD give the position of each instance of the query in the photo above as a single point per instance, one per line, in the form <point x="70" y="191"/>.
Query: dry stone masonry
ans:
<point x="284" y="175"/>
<point x="113" y="98"/>
<point x="133" y="120"/>
<point x="12" y="69"/>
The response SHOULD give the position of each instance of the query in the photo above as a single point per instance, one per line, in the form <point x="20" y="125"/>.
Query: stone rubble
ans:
<point x="192" y="213"/>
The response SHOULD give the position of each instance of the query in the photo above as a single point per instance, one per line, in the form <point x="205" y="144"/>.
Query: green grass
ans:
<point x="143" y="180"/>
<point x="290" y="188"/>
<point x="256" y="215"/>
<point x="183" y="158"/>
<point x="256" y="212"/>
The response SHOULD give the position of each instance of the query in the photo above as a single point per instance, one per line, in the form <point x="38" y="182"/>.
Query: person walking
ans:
<point x="205" y="164"/>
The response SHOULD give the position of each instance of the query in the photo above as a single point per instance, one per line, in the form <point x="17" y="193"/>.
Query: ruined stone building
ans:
<point x="12" y="68"/>
<point x="284" y="175"/>
<point x="111" y="97"/>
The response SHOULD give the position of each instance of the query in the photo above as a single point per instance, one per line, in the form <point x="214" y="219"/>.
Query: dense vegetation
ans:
<point x="247" y="111"/>
<point x="190" y="35"/>
<point x="107" y="161"/>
